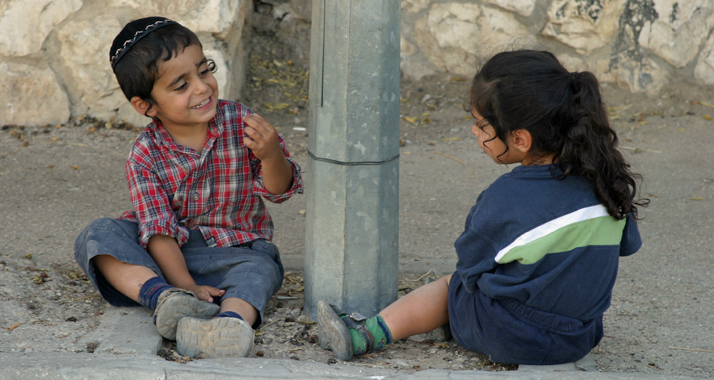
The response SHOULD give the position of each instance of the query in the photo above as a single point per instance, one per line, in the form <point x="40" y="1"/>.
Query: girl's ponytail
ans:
<point x="590" y="149"/>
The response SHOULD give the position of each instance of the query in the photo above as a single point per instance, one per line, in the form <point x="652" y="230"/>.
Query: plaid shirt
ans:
<point x="173" y="188"/>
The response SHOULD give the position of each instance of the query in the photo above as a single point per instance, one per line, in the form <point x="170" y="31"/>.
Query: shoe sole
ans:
<point x="333" y="333"/>
<point x="211" y="338"/>
<point x="181" y="306"/>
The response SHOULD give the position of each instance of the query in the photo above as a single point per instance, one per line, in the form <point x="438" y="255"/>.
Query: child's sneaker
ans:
<point x="175" y="304"/>
<point x="333" y="332"/>
<point x="216" y="337"/>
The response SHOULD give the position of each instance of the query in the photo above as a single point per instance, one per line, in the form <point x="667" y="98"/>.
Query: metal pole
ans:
<point x="351" y="243"/>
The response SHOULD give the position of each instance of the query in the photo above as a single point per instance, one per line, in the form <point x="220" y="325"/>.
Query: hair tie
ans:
<point x="132" y="33"/>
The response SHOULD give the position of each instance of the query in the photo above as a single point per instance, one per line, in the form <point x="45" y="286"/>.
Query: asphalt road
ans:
<point x="662" y="317"/>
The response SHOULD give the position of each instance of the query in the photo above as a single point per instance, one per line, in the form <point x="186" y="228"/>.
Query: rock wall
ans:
<point x="639" y="44"/>
<point x="54" y="65"/>
<point x="54" y="54"/>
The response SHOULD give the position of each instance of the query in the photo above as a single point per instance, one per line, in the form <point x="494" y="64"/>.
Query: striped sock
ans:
<point x="151" y="290"/>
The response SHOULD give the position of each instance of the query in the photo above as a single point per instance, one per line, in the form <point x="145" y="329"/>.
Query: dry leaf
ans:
<point x="278" y="106"/>
<point x="707" y="117"/>
<point x="412" y="120"/>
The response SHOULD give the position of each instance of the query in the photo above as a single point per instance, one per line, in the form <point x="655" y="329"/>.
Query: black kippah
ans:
<point x="132" y="33"/>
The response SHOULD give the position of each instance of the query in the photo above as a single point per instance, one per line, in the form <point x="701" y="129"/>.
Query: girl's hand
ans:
<point x="206" y="293"/>
<point x="262" y="139"/>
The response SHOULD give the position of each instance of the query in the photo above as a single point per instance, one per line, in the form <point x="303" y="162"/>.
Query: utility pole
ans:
<point x="351" y="242"/>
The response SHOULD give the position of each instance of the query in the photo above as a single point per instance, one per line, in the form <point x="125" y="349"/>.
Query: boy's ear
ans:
<point x="141" y="106"/>
<point x="522" y="140"/>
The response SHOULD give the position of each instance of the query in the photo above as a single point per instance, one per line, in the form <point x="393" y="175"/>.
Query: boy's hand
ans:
<point x="206" y="293"/>
<point x="262" y="139"/>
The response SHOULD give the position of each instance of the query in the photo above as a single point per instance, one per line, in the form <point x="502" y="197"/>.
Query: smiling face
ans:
<point x="186" y="92"/>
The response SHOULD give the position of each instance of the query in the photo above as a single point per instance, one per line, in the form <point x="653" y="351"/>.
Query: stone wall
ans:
<point x="639" y="44"/>
<point x="54" y="53"/>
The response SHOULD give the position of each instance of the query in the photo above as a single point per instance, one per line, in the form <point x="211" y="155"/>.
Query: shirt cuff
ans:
<point x="162" y="227"/>
<point x="295" y="188"/>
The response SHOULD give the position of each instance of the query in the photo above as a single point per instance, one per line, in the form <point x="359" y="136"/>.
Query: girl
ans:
<point x="539" y="254"/>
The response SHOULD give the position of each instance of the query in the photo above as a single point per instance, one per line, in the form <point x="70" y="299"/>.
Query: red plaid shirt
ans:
<point x="173" y="188"/>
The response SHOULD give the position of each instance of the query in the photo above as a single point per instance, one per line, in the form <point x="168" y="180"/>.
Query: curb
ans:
<point x="127" y="342"/>
<point x="67" y="366"/>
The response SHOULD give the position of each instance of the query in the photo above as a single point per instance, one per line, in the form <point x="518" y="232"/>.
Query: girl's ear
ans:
<point x="142" y="106"/>
<point x="522" y="140"/>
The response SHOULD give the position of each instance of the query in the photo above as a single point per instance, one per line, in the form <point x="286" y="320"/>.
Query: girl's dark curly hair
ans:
<point x="566" y="117"/>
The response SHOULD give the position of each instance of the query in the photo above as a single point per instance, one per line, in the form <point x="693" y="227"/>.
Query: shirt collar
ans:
<point x="163" y="138"/>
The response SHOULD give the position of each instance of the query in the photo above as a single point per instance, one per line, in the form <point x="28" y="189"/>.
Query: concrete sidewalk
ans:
<point x="128" y="343"/>
<point x="50" y="366"/>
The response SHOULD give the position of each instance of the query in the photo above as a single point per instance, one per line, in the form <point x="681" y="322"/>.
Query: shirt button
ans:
<point x="196" y="196"/>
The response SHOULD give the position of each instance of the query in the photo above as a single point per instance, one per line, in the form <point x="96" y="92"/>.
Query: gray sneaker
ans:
<point x="332" y="331"/>
<point x="175" y="304"/>
<point x="216" y="337"/>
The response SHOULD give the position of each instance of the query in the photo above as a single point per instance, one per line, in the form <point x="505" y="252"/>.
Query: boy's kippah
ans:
<point x="132" y="33"/>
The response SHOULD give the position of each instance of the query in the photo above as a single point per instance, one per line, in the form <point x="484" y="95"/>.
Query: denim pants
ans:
<point x="251" y="272"/>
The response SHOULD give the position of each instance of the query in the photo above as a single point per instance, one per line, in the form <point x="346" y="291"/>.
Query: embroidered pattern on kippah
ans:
<point x="128" y="43"/>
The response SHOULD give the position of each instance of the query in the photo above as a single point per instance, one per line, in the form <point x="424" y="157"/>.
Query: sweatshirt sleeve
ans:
<point x="631" y="241"/>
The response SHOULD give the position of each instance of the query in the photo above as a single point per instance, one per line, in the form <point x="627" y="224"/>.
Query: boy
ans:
<point x="199" y="233"/>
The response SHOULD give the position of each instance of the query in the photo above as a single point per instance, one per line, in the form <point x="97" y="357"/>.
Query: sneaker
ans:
<point x="216" y="337"/>
<point x="175" y="304"/>
<point x="333" y="332"/>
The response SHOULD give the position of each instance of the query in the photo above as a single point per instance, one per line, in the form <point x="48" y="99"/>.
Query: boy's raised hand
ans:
<point x="262" y="139"/>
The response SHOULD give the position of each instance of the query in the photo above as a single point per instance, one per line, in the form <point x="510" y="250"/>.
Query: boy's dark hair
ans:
<point x="137" y="70"/>
<point x="565" y="115"/>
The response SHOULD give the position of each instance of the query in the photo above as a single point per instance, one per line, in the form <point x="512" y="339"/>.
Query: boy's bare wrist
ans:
<point x="277" y="160"/>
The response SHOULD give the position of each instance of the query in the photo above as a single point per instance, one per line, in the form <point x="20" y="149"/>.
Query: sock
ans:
<point x="151" y="290"/>
<point x="378" y="329"/>
<point x="228" y="314"/>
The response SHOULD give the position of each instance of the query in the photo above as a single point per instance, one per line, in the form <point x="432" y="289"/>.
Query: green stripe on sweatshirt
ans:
<point x="585" y="227"/>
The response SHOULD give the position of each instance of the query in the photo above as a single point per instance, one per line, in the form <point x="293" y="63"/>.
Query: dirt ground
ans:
<point x="46" y="303"/>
